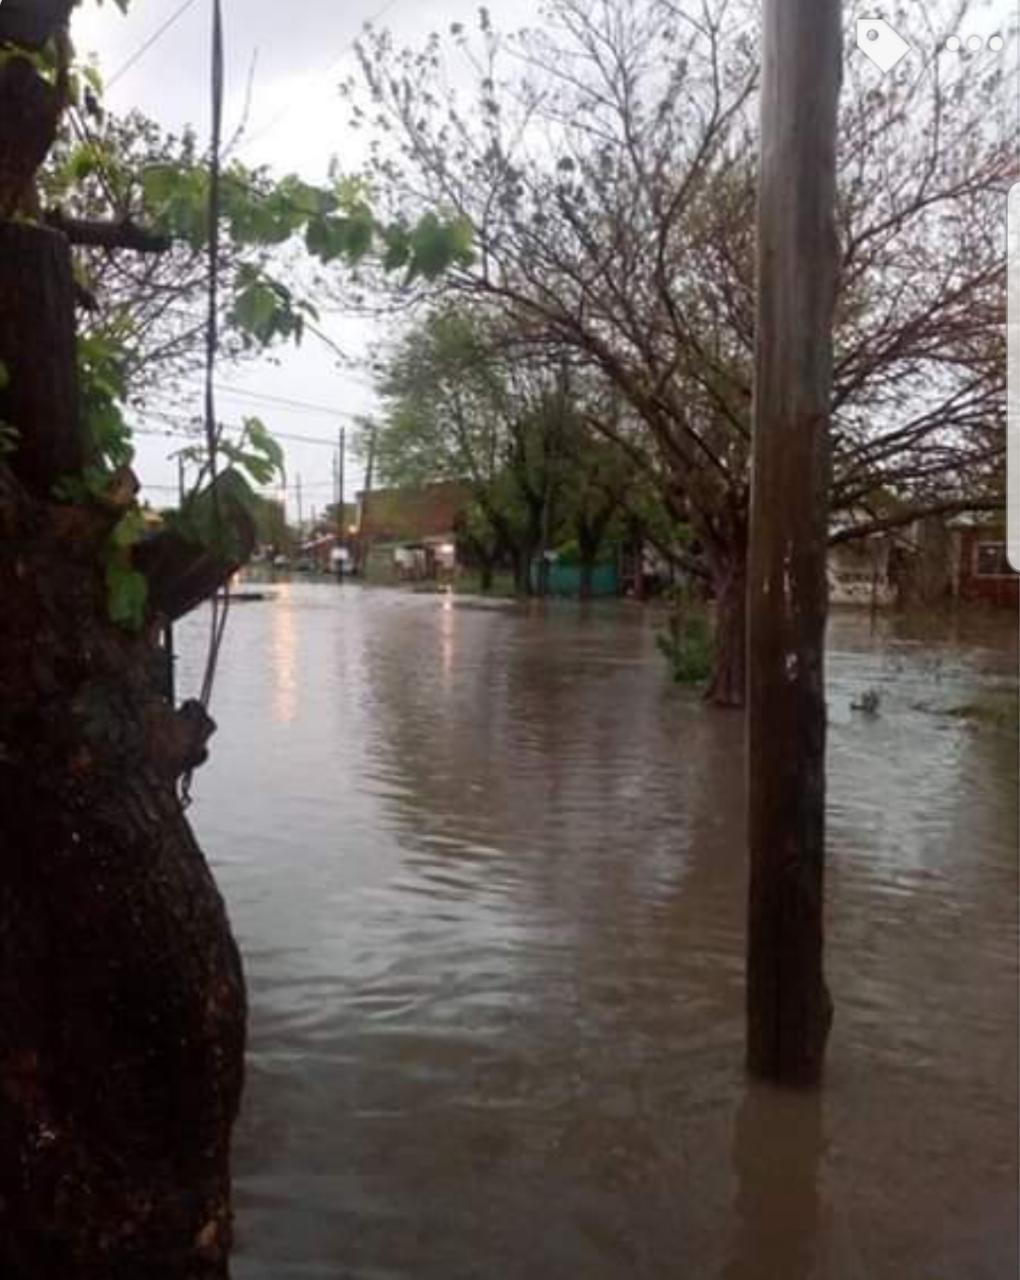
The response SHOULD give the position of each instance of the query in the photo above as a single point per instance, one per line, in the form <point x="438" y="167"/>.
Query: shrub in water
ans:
<point x="687" y="642"/>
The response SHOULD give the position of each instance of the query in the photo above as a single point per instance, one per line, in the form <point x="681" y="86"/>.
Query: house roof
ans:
<point x="412" y="515"/>
<point x="980" y="521"/>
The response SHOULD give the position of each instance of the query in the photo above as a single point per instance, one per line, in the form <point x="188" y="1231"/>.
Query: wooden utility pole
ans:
<point x="369" y="476"/>
<point x="341" y="530"/>
<point x="341" y="478"/>
<point x="300" y="508"/>
<point x="788" y="1005"/>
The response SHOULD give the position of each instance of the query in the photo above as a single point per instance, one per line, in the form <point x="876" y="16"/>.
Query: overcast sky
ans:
<point x="302" y="51"/>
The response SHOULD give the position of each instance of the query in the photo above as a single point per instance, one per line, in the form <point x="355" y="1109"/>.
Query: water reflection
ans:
<point x="777" y="1149"/>
<point x="284" y="655"/>
<point x="488" y="873"/>
<point x="447" y="629"/>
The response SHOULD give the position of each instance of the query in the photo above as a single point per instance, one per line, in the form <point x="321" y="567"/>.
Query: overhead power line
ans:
<point x="266" y="490"/>
<point x="286" y="110"/>
<point x="193" y="431"/>
<point x="284" y="402"/>
<point x="143" y="49"/>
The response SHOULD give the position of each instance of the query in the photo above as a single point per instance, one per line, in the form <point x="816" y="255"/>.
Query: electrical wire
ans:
<point x="284" y="402"/>
<point x="154" y="39"/>
<point x="189" y="429"/>
<point x="285" y="111"/>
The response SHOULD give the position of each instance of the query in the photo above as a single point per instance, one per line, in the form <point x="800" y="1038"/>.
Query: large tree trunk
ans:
<point x="541" y="575"/>
<point x="33" y="22"/>
<point x="522" y="559"/>
<point x="588" y="544"/>
<point x="37" y="349"/>
<point x="586" y="588"/>
<point x="788" y="1005"/>
<point x="517" y="568"/>
<point x="122" y="1037"/>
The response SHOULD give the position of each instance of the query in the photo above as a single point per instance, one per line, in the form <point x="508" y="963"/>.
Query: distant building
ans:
<point x="409" y="535"/>
<point x="860" y="572"/>
<point x="980" y="570"/>
<point x="930" y="562"/>
<point x="276" y="540"/>
<point x="321" y="552"/>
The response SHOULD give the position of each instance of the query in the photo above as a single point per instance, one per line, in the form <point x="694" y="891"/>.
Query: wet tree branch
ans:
<point x="125" y="234"/>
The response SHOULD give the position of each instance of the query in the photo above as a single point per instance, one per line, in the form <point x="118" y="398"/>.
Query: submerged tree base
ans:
<point x="122" y="1041"/>
<point x="728" y="685"/>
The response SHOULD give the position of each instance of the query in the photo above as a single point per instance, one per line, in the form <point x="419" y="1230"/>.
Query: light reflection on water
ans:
<point x="284" y="657"/>
<point x="487" y="871"/>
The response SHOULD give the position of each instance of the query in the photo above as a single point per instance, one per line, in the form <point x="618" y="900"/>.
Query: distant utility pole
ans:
<point x="341" y="467"/>
<point x="341" y="531"/>
<point x="300" y="507"/>
<point x="180" y="479"/>
<point x="788" y="1004"/>
<point x="369" y="476"/>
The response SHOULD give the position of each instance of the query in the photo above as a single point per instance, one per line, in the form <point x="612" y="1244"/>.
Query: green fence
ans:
<point x="565" y="580"/>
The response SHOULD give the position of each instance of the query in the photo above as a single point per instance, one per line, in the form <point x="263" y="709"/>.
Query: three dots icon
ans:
<point x="974" y="44"/>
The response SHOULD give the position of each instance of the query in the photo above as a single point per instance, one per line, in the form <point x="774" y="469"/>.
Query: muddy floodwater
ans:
<point x="487" y="870"/>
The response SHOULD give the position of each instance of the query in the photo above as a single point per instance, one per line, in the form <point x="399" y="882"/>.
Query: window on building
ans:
<point x="991" y="560"/>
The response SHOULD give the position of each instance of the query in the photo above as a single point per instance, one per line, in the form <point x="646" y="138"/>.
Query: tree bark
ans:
<point x="788" y="1006"/>
<point x="182" y="573"/>
<point x="727" y="687"/>
<point x="541" y="575"/>
<point x="122" y="1036"/>
<point x="587" y="576"/>
<point x="37" y="349"/>
<point x="32" y="22"/>
<point x="125" y="234"/>
<point x="29" y="115"/>
<point x="521" y="560"/>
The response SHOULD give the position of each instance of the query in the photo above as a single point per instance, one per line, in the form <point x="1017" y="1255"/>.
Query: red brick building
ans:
<point x="981" y="570"/>
<point x="410" y="534"/>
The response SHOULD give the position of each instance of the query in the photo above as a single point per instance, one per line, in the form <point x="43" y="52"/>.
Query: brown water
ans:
<point x="487" y="870"/>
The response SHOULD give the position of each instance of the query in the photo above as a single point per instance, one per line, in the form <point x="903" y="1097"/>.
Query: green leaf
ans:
<point x="255" y="308"/>
<point x="129" y="530"/>
<point x="327" y="238"/>
<point x="397" y="240"/>
<point x="360" y="234"/>
<point x="127" y="592"/>
<point x="438" y="245"/>
<point x="265" y="444"/>
<point x="93" y="78"/>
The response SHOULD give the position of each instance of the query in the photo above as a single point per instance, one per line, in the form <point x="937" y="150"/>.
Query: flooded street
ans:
<point x="487" y="871"/>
